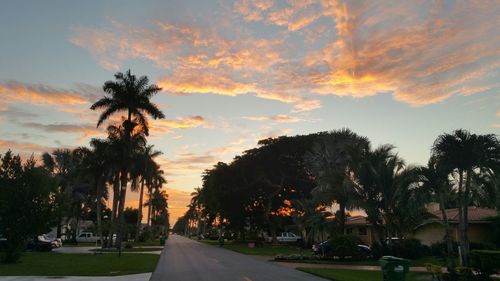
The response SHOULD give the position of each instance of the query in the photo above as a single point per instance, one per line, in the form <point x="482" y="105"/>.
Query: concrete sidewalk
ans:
<point x="132" y="277"/>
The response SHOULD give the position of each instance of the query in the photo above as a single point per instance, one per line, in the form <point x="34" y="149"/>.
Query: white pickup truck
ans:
<point x="88" y="237"/>
<point x="285" y="237"/>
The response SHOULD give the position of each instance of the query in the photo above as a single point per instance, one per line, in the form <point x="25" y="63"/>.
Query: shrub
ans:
<point x="482" y="246"/>
<point x="485" y="262"/>
<point x="128" y="245"/>
<point x="410" y="249"/>
<point x="345" y="246"/>
<point x="145" y="235"/>
<point x="439" y="249"/>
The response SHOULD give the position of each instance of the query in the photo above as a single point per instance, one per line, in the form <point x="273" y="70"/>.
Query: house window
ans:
<point x="362" y="231"/>
<point x="348" y="231"/>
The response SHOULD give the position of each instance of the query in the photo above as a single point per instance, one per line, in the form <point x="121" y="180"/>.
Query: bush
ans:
<point x="439" y="249"/>
<point x="410" y="249"/>
<point x="290" y="257"/>
<point x="485" y="262"/>
<point x="345" y="246"/>
<point x="145" y="235"/>
<point x="482" y="246"/>
<point x="128" y="245"/>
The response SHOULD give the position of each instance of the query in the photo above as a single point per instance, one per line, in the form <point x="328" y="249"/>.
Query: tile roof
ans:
<point x="475" y="214"/>
<point x="356" y="220"/>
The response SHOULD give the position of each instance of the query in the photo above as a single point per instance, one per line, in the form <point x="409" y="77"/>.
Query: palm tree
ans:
<point x="332" y="162"/>
<point x="101" y="166"/>
<point x="389" y="191"/>
<point x="127" y="148"/>
<point x="158" y="180"/>
<point x="311" y="218"/>
<point x="147" y="168"/>
<point x="60" y="164"/>
<point x="131" y="94"/>
<point x="435" y="181"/>
<point x="467" y="155"/>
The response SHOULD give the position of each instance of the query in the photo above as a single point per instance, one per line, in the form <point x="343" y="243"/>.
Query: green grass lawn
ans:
<point x="356" y="275"/>
<point x="266" y="250"/>
<point x="56" y="264"/>
<point x="416" y="262"/>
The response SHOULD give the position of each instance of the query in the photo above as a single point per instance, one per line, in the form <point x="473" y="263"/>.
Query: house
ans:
<point x="360" y="227"/>
<point x="433" y="231"/>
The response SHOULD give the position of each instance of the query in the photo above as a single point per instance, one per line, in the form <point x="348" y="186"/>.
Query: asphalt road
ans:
<point x="183" y="259"/>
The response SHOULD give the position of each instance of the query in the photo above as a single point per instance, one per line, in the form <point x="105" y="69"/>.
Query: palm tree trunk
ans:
<point x="114" y="210"/>
<point x="121" y="209"/>
<point x="139" y="212"/>
<point x="465" y="233"/>
<point x="149" y="209"/>
<point x="463" y="260"/>
<point x="342" y="217"/>
<point x="449" y="243"/>
<point x="100" y="184"/>
<point x="388" y="227"/>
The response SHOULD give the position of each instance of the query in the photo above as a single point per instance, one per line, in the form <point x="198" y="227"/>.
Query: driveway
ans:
<point x="183" y="259"/>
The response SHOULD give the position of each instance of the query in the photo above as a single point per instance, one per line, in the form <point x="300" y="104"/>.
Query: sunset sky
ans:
<point x="234" y="72"/>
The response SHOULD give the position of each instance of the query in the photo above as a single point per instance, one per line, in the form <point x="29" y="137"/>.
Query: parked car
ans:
<point x="324" y="249"/>
<point x="285" y="237"/>
<point x="88" y="237"/>
<point x="40" y="245"/>
<point x="56" y="242"/>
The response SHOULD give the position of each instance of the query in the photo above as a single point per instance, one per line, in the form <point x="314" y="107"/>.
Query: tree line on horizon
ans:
<point x="72" y="185"/>
<point x="293" y="180"/>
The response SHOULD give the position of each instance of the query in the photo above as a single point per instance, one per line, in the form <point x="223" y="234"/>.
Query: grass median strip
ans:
<point x="266" y="250"/>
<point x="57" y="264"/>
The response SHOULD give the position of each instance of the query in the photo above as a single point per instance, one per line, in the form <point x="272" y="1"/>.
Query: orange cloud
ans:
<point x="13" y="91"/>
<point x="188" y="82"/>
<point x="24" y="148"/>
<point x="280" y="118"/>
<point x="167" y="126"/>
<point x="420" y="61"/>
<point x="252" y="10"/>
<point x="421" y="52"/>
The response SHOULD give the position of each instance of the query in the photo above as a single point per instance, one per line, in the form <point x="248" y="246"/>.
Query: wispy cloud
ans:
<point x="14" y="91"/>
<point x="168" y="125"/>
<point x="280" y="118"/>
<point x="25" y="148"/>
<point x="421" y="52"/>
<point x="84" y="130"/>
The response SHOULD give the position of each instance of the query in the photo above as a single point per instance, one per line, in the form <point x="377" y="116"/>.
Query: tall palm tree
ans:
<point x="131" y="94"/>
<point x="127" y="148"/>
<point x="466" y="154"/>
<point x="158" y="180"/>
<point x="147" y="168"/>
<point x="101" y="166"/>
<point x="435" y="181"/>
<point x="60" y="163"/>
<point x="332" y="160"/>
<point x="387" y="186"/>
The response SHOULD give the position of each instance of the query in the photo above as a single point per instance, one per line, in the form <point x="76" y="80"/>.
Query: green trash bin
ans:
<point x="394" y="268"/>
<point x="162" y="240"/>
